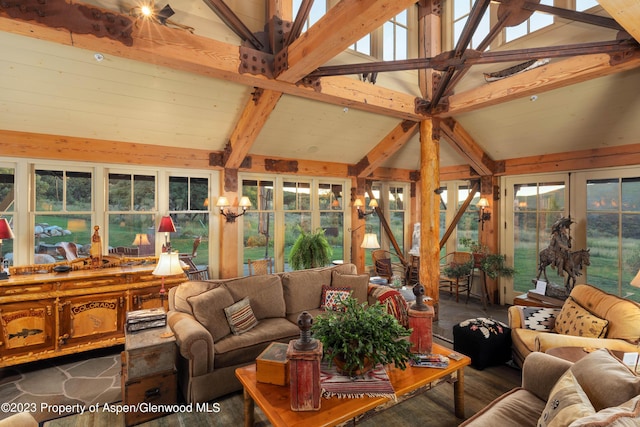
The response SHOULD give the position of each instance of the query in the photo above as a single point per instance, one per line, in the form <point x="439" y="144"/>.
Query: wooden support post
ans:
<point x="429" y="211"/>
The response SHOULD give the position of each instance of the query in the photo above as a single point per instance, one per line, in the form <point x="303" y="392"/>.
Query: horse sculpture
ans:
<point x="572" y="266"/>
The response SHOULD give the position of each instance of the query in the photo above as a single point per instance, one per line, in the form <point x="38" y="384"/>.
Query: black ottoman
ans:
<point x="486" y="341"/>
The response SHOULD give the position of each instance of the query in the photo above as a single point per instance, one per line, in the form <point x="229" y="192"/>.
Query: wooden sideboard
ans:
<point x="46" y="315"/>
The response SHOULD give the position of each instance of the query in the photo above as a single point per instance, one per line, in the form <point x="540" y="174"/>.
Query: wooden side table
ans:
<point x="148" y="372"/>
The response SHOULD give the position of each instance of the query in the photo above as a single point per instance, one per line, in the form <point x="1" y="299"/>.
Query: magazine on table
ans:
<point x="430" y="360"/>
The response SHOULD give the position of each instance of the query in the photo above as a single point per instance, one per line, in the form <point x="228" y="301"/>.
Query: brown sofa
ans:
<point x="209" y="352"/>
<point x="607" y="321"/>
<point x="598" y="390"/>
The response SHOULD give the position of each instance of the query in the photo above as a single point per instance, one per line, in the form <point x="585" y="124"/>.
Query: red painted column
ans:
<point x="421" y="321"/>
<point x="304" y="378"/>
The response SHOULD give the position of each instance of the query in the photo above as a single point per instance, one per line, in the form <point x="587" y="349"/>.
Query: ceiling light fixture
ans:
<point x="161" y="16"/>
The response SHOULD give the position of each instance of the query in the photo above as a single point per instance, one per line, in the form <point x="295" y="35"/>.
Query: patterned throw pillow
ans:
<point x="567" y="403"/>
<point x="332" y="297"/>
<point x="625" y="415"/>
<point x="538" y="318"/>
<point x="240" y="317"/>
<point x="574" y="319"/>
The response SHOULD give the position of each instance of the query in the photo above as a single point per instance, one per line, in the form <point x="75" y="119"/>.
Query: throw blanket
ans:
<point x="394" y="302"/>
<point x="374" y="383"/>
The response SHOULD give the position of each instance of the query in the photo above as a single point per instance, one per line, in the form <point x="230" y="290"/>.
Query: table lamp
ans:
<point x="370" y="241"/>
<point x="166" y="227"/>
<point x="141" y="239"/>
<point x="168" y="265"/>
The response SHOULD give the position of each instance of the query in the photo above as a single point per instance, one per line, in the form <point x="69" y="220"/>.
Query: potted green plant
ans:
<point x="492" y="264"/>
<point x="310" y="250"/>
<point x="458" y="270"/>
<point x="361" y="336"/>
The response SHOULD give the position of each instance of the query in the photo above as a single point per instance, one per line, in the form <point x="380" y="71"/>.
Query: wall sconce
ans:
<point x="166" y="227"/>
<point x="370" y="241"/>
<point x="483" y="212"/>
<point x="358" y="204"/>
<point x="223" y="202"/>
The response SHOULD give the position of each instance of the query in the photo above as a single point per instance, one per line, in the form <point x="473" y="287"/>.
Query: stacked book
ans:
<point x="430" y="360"/>
<point x="144" y="319"/>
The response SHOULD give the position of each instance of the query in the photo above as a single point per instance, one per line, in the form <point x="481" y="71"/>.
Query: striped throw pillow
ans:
<point x="240" y="317"/>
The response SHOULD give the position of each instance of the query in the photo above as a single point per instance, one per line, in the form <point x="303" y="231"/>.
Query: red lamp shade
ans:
<point x="166" y="225"/>
<point x="5" y="230"/>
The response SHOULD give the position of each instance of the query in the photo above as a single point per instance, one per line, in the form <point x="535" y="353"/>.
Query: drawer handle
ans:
<point x="151" y="393"/>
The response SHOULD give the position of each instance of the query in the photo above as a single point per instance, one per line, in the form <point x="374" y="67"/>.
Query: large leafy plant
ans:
<point x="362" y="332"/>
<point x="310" y="250"/>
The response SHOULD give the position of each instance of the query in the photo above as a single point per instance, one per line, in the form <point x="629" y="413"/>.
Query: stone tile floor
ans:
<point x="91" y="377"/>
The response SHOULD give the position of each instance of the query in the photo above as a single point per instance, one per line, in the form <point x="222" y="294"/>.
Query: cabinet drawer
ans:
<point x="158" y="389"/>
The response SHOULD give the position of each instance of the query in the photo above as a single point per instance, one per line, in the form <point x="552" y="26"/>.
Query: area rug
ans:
<point x="374" y="383"/>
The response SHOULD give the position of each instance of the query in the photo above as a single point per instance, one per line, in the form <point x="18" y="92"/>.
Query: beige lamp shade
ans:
<point x="168" y="265"/>
<point x="222" y="202"/>
<point x="357" y="203"/>
<point x="141" y="239"/>
<point x="483" y="202"/>
<point x="636" y="281"/>
<point x="370" y="241"/>
<point x="244" y="202"/>
<point x="373" y="203"/>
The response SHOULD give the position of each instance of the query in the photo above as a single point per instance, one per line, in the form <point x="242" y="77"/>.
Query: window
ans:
<point x="468" y="226"/>
<point x="189" y="209"/>
<point x="396" y="205"/>
<point x="613" y="234"/>
<point x="582" y="5"/>
<point x="63" y="214"/>
<point x="395" y="36"/>
<point x="131" y="210"/>
<point x="7" y="208"/>
<point x="332" y="216"/>
<point x="536" y="206"/>
<point x="296" y="197"/>
<point x="318" y="10"/>
<point x="461" y="12"/>
<point x="259" y="223"/>
<point x="536" y="22"/>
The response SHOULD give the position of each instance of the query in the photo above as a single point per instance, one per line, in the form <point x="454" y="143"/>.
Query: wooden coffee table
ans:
<point x="274" y="400"/>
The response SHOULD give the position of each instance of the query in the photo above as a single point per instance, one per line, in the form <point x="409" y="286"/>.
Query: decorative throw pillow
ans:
<point x="240" y="317"/>
<point x="538" y="318"/>
<point x="332" y="298"/>
<point x="567" y="403"/>
<point x="606" y="379"/>
<point x="574" y="319"/>
<point x="625" y="415"/>
<point x="357" y="283"/>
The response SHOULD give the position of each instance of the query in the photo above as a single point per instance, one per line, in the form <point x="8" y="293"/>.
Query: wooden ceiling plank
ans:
<point x="386" y="148"/>
<point x="626" y="12"/>
<point x="542" y="79"/>
<point x="180" y="50"/>
<point x="252" y="120"/>
<point x="461" y="141"/>
<point x="342" y="25"/>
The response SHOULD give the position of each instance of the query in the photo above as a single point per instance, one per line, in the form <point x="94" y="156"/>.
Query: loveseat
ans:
<point x="213" y="342"/>
<point x="597" y="390"/>
<point x="589" y="317"/>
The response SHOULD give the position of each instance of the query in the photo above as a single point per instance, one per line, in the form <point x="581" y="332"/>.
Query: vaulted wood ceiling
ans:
<point x="173" y="88"/>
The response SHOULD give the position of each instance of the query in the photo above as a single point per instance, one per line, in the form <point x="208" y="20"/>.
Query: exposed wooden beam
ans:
<point x="608" y="157"/>
<point x="552" y="76"/>
<point x="626" y="12"/>
<point x="459" y="213"/>
<point x="389" y="145"/>
<point x="301" y="18"/>
<point x="342" y="25"/>
<point x="252" y="120"/>
<point x="463" y="143"/>
<point x="180" y="50"/>
<point x="429" y="41"/>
